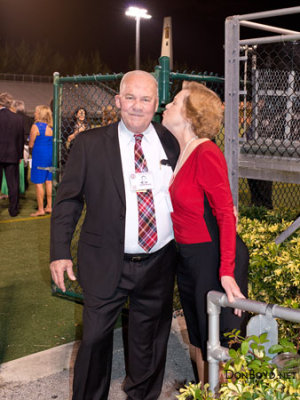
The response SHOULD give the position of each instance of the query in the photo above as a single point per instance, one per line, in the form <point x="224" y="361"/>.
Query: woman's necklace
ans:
<point x="179" y="162"/>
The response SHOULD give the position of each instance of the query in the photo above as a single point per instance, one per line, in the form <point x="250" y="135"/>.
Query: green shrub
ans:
<point x="251" y="374"/>
<point x="274" y="270"/>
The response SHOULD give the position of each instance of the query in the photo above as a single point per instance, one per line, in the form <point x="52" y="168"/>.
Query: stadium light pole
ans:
<point x="138" y="14"/>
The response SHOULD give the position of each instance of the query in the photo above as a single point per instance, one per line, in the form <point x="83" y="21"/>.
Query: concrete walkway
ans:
<point x="48" y="375"/>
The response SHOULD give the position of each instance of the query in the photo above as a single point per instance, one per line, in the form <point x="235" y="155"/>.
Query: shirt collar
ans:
<point x="126" y="133"/>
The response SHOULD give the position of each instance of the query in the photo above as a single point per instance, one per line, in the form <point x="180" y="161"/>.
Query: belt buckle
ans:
<point x="136" y="258"/>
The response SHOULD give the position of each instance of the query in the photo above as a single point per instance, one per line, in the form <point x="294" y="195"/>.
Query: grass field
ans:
<point x="31" y="319"/>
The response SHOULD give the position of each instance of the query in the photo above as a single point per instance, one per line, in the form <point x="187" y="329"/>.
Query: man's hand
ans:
<point x="232" y="290"/>
<point x="58" y="268"/>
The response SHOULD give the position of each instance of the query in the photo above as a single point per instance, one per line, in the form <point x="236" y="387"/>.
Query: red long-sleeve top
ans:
<point x="205" y="172"/>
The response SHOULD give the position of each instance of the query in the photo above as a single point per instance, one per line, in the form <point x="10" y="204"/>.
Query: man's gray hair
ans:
<point x="19" y="106"/>
<point x="6" y="100"/>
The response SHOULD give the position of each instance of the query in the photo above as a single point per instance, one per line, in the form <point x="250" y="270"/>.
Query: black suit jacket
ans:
<point x="94" y="173"/>
<point x="11" y="136"/>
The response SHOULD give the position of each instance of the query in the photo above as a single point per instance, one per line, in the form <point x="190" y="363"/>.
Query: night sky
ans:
<point x="88" y="25"/>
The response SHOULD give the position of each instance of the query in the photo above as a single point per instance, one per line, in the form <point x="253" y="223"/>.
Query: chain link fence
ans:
<point x="95" y="99"/>
<point x="212" y="81"/>
<point x="269" y="117"/>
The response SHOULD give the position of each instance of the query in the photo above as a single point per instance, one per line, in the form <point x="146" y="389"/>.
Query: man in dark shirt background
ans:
<point x="11" y="150"/>
<point x="19" y="108"/>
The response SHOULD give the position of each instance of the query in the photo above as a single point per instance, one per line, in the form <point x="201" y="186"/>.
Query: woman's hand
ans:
<point x="71" y="137"/>
<point x="236" y="216"/>
<point x="74" y="134"/>
<point x="232" y="290"/>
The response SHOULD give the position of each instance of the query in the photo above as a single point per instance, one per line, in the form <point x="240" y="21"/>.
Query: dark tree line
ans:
<point x="41" y="59"/>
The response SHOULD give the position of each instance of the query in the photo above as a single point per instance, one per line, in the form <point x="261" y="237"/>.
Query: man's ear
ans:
<point x="156" y="105"/>
<point x="117" y="101"/>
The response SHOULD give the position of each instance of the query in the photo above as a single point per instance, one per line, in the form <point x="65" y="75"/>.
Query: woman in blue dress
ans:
<point x="40" y="143"/>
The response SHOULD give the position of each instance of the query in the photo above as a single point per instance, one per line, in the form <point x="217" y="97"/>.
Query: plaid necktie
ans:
<point x="146" y="211"/>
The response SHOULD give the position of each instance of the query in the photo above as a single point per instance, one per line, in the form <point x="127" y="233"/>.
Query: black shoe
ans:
<point x="13" y="213"/>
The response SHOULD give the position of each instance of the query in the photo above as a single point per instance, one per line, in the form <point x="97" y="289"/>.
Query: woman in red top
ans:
<point x="203" y="217"/>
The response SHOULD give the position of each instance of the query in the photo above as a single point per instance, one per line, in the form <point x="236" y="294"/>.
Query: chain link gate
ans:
<point x="269" y="115"/>
<point x="262" y="114"/>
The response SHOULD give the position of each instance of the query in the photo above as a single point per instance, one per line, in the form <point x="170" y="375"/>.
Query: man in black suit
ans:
<point x="18" y="107"/>
<point x="11" y="150"/>
<point x="114" y="263"/>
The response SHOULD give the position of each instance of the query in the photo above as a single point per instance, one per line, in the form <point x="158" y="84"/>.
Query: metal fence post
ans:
<point x="232" y="51"/>
<point x="164" y="81"/>
<point x="213" y="311"/>
<point x="55" y="130"/>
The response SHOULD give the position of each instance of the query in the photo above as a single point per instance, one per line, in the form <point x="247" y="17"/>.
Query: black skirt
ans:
<point x="198" y="273"/>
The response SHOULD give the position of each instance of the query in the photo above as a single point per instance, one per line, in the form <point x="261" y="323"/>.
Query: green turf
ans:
<point x="31" y="319"/>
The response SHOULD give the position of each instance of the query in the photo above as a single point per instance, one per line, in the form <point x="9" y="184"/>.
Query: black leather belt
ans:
<point x="137" y="257"/>
<point x="144" y="256"/>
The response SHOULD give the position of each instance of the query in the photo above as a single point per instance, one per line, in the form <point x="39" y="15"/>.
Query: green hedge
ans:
<point x="274" y="270"/>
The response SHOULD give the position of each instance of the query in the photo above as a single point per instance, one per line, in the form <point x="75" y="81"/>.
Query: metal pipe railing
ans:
<point x="270" y="39"/>
<point x="272" y="13"/>
<point x="268" y="28"/>
<point x="215" y="352"/>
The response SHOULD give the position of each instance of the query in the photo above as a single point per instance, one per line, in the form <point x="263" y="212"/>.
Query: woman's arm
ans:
<point x="213" y="177"/>
<point x="33" y="134"/>
<point x="49" y="131"/>
<point x="216" y="186"/>
<point x="72" y="136"/>
<point x="79" y="128"/>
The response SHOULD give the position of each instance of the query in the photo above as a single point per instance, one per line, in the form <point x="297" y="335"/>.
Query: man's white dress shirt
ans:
<point x="161" y="174"/>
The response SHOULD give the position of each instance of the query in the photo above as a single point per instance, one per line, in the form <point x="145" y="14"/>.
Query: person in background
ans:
<point x="40" y="145"/>
<point x="11" y="150"/>
<point x="109" y="115"/>
<point x="79" y="124"/>
<point x="203" y="215"/>
<point x="19" y="107"/>
<point x="126" y="248"/>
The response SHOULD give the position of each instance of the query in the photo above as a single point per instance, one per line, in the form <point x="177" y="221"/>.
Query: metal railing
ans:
<point x="25" y="77"/>
<point x="217" y="353"/>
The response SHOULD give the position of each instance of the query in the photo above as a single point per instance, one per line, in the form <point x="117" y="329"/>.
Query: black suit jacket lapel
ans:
<point x="169" y="144"/>
<point x="113" y="156"/>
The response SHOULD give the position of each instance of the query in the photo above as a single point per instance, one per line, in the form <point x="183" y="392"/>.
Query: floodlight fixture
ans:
<point x="138" y="14"/>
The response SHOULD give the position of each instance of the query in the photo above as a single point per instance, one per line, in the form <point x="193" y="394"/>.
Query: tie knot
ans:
<point x="138" y="137"/>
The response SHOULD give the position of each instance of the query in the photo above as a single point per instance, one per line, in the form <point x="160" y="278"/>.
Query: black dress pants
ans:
<point x="12" y="178"/>
<point x="149" y="286"/>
